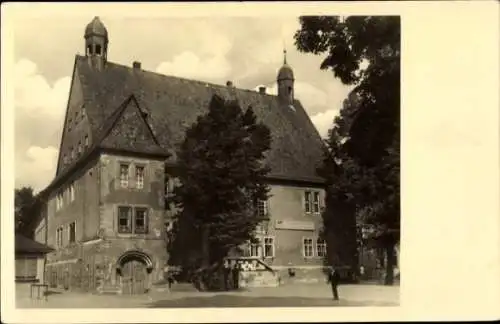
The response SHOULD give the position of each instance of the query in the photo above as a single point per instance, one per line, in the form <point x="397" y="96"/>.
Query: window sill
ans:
<point x="132" y="235"/>
<point x="131" y="188"/>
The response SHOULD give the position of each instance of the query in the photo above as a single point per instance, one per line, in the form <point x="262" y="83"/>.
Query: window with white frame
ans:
<point x="132" y="220"/>
<point x="124" y="168"/>
<point x="72" y="232"/>
<point x="140" y="220"/>
<point x="320" y="247"/>
<point x="312" y="202"/>
<point x="59" y="200"/>
<point x="307" y="201"/>
<point x="307" y="247"/>
<point x="59" y="237"/>
<point x="139" y="177"/>
<point x="316" y="205"/>
<point x="86" y="141"/>
<point x="262" y="208"/>
<point x="269" y="247"/>
<point x="124" y="219"/>
<point x="254" y="248"/>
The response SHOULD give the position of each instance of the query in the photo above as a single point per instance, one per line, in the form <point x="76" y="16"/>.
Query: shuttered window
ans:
<point x="26" y="268"/>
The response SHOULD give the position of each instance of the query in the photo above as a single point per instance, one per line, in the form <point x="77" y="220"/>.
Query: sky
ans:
<point x="246" y="50"/>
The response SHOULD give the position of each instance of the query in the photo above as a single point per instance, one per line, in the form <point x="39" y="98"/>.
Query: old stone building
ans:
<point x="105" y="210"/>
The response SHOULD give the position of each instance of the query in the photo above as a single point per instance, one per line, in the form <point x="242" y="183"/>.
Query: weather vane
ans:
<point x="284" y="51"/>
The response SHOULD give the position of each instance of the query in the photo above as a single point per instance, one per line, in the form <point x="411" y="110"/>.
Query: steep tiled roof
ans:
<point x="26" y="245"/>
<point x="167" y="105"/>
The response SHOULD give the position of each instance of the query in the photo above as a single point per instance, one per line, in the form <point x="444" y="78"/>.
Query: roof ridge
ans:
<point x="221" y="86"/>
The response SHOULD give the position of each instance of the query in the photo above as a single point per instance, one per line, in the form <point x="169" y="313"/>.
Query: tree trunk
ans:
<point x="389" y="270"/>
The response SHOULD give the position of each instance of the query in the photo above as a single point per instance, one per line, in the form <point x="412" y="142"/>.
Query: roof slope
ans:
<point x="169" y="105"/>
<point x="26" y="245"/>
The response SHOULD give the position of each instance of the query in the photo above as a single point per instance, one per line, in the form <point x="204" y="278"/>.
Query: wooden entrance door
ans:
<point x="134" y="278"/>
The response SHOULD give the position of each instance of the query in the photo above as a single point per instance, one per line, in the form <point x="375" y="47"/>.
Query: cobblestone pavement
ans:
<point x="296" y="295"/>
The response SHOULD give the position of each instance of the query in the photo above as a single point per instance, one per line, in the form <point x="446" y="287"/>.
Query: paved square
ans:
<point x="296" y="295"/>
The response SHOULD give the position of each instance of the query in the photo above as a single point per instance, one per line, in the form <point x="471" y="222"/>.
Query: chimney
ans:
<point x="262" y="90"/>
<point x="229" y="83"/>
<point x="136" y="65"/>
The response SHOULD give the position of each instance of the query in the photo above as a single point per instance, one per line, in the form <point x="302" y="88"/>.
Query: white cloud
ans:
<point x="310" y="95"/>
<point x="37" y="167"/>
<point x="324" y="121"/>
<point x="38" y="103"/>
<point x="188" y="65"/>
<point x="244" y="50"/>
<point x="34" y="95"/>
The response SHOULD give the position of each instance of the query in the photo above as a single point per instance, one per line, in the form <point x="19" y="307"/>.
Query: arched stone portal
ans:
<point x="133" y="269"/>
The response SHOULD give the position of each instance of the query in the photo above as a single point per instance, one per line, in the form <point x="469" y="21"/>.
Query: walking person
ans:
<point x="333" y="279"/>
<point x="170" y="279"/>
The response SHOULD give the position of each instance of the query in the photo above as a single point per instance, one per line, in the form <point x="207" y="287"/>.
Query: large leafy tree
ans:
<point x="220" y="171"/>
<point x="24" y="207"/>
<point x="362" y="161"/>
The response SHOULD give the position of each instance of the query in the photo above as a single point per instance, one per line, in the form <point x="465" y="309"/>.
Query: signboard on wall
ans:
<point x="295" y="225"/>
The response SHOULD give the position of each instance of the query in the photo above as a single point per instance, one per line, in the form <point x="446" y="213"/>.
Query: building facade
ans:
<point x="105" y="210"/>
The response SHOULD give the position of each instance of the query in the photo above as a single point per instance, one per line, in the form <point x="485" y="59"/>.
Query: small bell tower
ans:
<point x="96" y="43"/>
<point x="285" y="82"/>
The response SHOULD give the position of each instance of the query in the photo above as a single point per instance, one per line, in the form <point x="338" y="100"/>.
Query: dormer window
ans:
<point x="86" y="141"/>
<point x="76" y="116"/>
<point x="69" y="124"/>
<point x="98" y="49"/>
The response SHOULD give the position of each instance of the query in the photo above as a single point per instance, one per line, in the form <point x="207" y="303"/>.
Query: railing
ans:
<point x="250" y="264"/>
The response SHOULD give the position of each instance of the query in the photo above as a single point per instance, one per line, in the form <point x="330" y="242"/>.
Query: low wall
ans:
<point x="258" y="278"/>
<point x="301" y="275"/>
